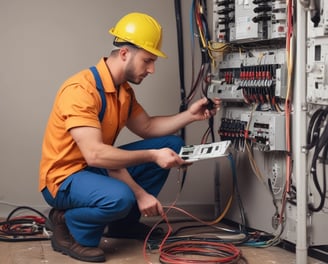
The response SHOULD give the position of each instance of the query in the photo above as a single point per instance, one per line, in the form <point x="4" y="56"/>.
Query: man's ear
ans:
<point x="123" y="52"/>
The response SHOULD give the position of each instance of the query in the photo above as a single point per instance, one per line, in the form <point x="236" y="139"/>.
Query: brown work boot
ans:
<point x="61" y="239"/>
<point x="89" y="254"/>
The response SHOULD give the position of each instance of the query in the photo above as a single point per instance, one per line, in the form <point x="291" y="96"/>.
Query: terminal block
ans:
<point x="265" y="130"/>
<point x="248" y="79"/>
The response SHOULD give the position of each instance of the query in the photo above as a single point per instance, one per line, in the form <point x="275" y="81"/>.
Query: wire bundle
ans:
<point x="199" y="28"/>
<point x="207" y="252"/>
<point x="317" y="139"/>
<point x="200" y="247"/>
<point x="212" y="247"/>
<point x="24" y="228"/>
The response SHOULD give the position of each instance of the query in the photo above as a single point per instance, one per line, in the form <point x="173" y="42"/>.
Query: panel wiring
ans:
<point x="278" y="214"/>
<point x="248" y="148"/>
<point x="199" y="28"/>
<point x="257" y="85"/>
<point x="263" y="87"/>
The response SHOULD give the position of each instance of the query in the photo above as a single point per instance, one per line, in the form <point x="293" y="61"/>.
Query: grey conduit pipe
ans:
<point x="300" y="161"/>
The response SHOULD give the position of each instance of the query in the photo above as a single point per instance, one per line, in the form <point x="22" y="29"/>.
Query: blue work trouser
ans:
<point x="92" y="199"/>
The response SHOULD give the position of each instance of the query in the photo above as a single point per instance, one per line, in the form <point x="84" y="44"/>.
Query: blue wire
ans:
<point x="234" y="176"/>
<point x="255" y="244"/>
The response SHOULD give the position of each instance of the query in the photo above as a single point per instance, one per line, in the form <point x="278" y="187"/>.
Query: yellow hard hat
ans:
<point x="141" y="30"/>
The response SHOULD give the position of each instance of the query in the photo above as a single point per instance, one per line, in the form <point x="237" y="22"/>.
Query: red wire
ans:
<point x="211" y="252"/>
<point x="289" y="23"/>
<point x="287" y="103"/>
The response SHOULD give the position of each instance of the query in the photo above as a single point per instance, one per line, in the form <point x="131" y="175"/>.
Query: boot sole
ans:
<point x="68" y="252"/>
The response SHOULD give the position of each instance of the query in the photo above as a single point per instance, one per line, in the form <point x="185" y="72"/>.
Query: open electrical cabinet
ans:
<point x="269" y="67"/>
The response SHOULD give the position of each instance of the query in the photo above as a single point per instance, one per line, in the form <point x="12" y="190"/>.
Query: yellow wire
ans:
<point x="225" y="211"/>
<point x="252" y="161"/>
<point x="200" y="29"/>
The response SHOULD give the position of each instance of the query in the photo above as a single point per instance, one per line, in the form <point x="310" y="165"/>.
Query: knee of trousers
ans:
<point x="119" y="207"/>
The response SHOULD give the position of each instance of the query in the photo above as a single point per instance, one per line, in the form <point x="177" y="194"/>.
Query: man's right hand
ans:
<point x="149" y="205"/>
<point x="167" y="158"/>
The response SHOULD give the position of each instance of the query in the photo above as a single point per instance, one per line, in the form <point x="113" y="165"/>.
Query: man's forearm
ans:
<point x="166" y="125"/>
<point x="124" y="176"/>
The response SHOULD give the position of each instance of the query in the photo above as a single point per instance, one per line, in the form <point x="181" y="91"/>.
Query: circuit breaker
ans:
<point x="255" y="76"/>
<point x="317" y="71"/>
<point x="246" y="20"/>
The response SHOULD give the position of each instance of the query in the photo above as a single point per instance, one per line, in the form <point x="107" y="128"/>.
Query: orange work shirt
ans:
<point x="77" y="104"/>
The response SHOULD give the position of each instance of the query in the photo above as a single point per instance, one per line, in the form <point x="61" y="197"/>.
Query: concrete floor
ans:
<point x="123" y="251"/>
<point x="126" y="251"/>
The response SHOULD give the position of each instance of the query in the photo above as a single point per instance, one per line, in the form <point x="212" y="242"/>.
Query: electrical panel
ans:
<point x="266" y="130"/>
<point x="246" y="20"/>
<point x="253" y="76"/>
<point x="317" y="71"/>
<point x="253" y="79"/>
<point x="317" y="18"/>
<point x="262" y="129"/>
<point x="244" y="28"/>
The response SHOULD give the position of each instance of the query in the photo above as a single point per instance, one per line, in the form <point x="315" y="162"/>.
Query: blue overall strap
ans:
<point x="100" y="88"/>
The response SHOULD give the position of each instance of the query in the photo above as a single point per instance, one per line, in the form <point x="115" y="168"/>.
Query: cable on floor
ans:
<point x="211" y="247"/>
<point x="24" y="227"/>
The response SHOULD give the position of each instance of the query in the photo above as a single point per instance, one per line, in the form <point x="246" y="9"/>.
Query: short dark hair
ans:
<point x="120" y="43"/>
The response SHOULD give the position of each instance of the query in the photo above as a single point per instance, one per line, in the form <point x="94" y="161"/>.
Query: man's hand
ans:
<point x="201" y="110"/>
<point x="149" y="205"/>
<point x="166" y="158"/>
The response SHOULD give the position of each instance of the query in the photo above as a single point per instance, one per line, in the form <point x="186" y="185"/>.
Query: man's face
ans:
<point x="139" y="65"/>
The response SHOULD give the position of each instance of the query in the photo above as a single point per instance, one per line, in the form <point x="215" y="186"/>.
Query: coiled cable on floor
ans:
<point x="199" y="252"/>
<point x="200" y="248"/>
<point x="25" y="227"/>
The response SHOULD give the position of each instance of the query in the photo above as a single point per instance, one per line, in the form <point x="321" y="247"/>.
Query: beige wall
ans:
<point x="42" y="42"/>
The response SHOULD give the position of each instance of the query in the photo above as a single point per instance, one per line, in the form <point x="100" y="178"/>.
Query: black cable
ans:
<point x="322" y="144"/>
<point x="183" y="105"/>
<point x="313" y="131"/>
<point x="25" y="208"/>
<point x="211" y="127"/>
<point x="319" y="141"/>
<point x="205" y="59"/>
<point x="324" y="183"/>
<point x="237" y="193"/>
<point x="23" y="228"/>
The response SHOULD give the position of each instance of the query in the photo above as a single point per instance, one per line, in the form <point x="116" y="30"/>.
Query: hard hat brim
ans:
<point x="149" y="49"/>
